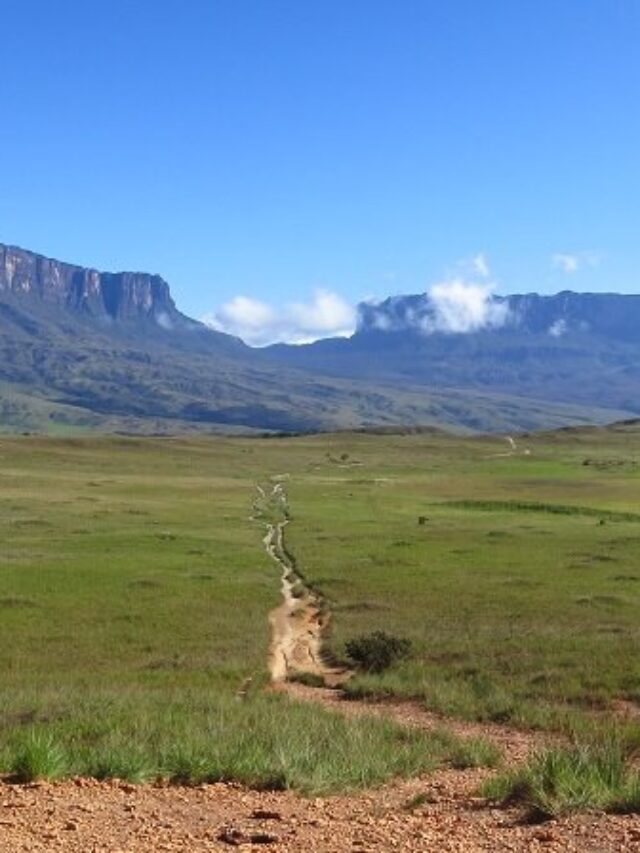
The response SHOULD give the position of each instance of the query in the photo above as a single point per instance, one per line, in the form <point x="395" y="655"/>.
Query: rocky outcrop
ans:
<point x="124" y="296"/>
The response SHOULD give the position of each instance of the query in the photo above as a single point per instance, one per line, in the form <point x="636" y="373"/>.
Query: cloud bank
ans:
<point x="460" y="306"/>
<point x="464" y="302"/>
<point x="258" y="323"/>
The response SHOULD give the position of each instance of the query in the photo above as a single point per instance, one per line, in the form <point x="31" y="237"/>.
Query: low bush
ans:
<point x="377" y="651"/>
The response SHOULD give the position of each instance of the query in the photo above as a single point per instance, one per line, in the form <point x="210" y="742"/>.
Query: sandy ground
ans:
<point x="297" y="624"/>
<point x="300" y="622"/>
<point x="84" y="816"/>
<point x="440" y="812"/>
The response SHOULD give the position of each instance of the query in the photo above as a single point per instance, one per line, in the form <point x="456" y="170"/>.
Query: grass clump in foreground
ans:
<point x="38" y="756"/>
<point x="578" y="778"/>
<point x="266" y="742"/>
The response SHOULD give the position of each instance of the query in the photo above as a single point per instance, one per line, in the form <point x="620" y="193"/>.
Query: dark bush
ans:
<point x="377" y="651"/>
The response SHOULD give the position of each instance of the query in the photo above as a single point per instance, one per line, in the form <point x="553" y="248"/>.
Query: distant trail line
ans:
<point x="513" y="449"/>
<point x="299" y="623"/>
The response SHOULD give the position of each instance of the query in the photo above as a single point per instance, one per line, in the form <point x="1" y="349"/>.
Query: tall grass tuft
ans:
<point x="129" y="762"/>
<point x="38" y="756"/>
<point x="559" y="781"/>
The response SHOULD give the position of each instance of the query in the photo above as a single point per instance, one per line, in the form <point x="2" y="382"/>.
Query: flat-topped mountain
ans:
<point x="582" y="348"/>
<point x="106" y="296"/>
<point x="609" y="315"/>
<point x="81" y="348"/>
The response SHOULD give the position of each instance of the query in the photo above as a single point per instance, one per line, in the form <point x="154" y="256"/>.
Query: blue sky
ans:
<point x="304" y="155"/>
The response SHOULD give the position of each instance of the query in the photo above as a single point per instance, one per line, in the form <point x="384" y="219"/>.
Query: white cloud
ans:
<point x="464" y="306"/>
<point x="474" y="267"/>
<point x="558" y="328"/>
<point x="567" y="263"/>
<point x="327" y="312"/>
<point x="245" y="313"/>
<point x="258" y="323"/>
<point x="382" y="322"/>
<point x="463" y="302"/>
<point x="164" y="321"/>
<point x="480" y="265"/>
<point x="571" y="262"/>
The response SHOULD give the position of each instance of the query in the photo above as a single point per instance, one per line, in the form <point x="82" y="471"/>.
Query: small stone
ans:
<point x="544" y="836"/>
<point x="263" y="838"/>
<point x="265" y="814"/>
<point x="232" y="836"/>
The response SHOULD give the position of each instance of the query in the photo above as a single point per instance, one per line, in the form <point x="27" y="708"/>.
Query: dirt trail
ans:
<point x="298" y="626"/>
<point x="440" y="811"/>
<point x="453" y="817"/>
<point x="513" y="449"/>
<point x="299" y="623"/>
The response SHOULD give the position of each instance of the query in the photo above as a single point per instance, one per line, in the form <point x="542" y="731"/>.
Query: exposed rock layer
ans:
<point x="118" y="296"/>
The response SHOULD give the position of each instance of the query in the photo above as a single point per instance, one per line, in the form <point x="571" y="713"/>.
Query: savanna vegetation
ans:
<point x="134" y="594"/>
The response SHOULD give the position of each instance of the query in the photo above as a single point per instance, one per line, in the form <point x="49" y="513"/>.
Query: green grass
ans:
<point x="263" y="741"/>
<point x="520" y="603"/>
<point x="537" y="506"/>
<point x="37" y="756"/>
<point x="134" y="593"/>
<point x="560" y="781"/>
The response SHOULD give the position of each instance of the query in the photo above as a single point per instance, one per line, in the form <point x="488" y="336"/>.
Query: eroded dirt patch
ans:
<point x="299" y="623"/>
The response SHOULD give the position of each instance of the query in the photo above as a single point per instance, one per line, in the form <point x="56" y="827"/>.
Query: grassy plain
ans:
<point x="134" y="593"/>
<point x="521" y="589"/>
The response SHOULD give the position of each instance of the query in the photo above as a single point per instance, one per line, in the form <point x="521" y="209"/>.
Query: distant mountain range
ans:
<point x="580" y="348"/>
<point x="81" y="349"/>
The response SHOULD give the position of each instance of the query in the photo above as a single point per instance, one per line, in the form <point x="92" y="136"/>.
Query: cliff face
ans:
<point x="579" y="348"/>
<point x="610" y="316"/>
<point x="122" y="296"/>
<point x="81" y="347"/>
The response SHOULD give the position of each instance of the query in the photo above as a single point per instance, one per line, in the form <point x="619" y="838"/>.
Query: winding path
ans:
<point x="300" y="622"/>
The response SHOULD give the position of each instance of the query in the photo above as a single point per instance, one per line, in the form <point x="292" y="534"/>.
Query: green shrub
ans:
<point x="377" y="651"/>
